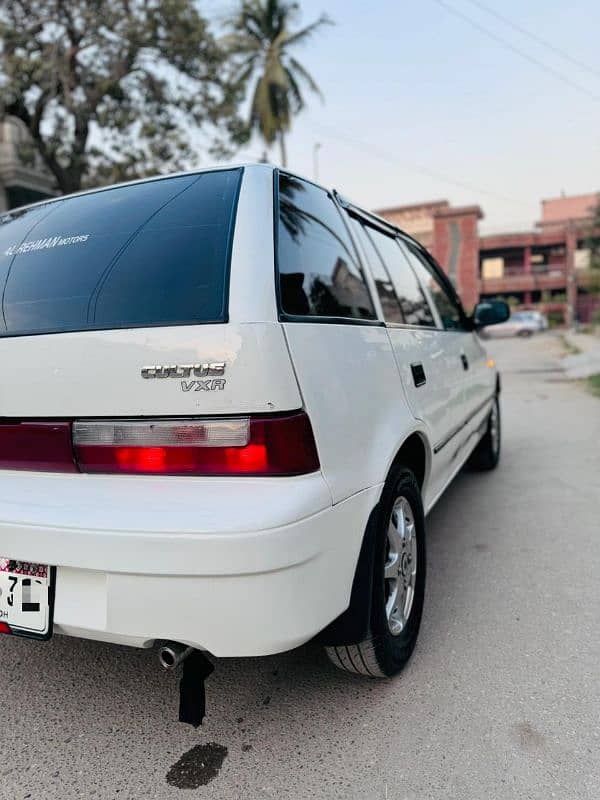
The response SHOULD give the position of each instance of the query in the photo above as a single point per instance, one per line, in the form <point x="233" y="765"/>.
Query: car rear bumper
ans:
<point x="239" y="567"/>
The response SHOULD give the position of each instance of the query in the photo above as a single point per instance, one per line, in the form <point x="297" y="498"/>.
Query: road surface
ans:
<point x="500" y="700"/>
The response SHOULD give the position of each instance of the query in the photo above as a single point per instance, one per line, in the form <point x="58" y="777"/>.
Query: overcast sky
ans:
<point x="420" y="105"/>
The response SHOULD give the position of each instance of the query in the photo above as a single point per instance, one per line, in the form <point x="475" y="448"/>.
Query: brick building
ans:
<point x="545" y="268"/>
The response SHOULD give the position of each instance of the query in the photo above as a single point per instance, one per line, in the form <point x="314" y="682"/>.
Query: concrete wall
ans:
<point x="21" y="180"/>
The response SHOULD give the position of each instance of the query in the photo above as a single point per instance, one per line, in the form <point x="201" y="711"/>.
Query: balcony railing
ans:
<point x="510" y="270"/>
<point x="515" y="279"/>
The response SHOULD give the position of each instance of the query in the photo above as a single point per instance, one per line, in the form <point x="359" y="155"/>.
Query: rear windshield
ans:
<point x="155" y="253"/>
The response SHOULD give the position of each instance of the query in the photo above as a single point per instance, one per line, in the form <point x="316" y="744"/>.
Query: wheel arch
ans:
<point x="414" y="453"/>
<point x="352" y="624"/>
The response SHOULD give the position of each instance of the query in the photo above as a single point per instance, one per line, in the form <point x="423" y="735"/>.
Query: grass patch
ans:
<point x="593" y="384"/>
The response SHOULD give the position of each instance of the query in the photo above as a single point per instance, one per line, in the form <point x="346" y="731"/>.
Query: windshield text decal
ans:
<point x="45" y="244"/>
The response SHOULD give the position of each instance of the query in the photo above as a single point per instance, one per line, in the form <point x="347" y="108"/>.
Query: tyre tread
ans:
<point x="361" y="658"/>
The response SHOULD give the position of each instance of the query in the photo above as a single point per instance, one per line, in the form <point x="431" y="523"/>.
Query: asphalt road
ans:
<point x="500" y="700"/>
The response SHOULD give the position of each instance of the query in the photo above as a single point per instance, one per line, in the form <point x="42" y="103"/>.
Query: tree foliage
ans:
<point x="592" y="244"/>
<point x="263" y="44"/>
<point x="115" y="89"/>
<point x="593" y="240"/>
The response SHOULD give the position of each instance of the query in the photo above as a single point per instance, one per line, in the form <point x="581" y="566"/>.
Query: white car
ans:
<point x="230" y="398"/>
<point x="539" y="319"/>
<point x="520" y="323"/>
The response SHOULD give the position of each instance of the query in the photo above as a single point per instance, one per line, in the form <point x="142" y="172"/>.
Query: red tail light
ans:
<point x="41" y="446"/>
<point x="277" y="445"/>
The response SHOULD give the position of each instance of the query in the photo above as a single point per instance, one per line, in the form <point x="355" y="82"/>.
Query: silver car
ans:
<point x="520" y="323"/>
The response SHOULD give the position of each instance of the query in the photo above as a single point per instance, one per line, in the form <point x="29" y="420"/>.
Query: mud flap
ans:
<point x="353" y="624"/>
<point x="192" y="694"/>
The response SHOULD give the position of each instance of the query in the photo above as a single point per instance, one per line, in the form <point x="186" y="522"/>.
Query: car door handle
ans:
<point x="418" y="374"/>
<point x="465" y="361"/>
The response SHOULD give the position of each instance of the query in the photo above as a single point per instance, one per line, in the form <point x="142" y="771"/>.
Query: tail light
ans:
<point x="40" y="446"/>
<point x="275" y="445"/>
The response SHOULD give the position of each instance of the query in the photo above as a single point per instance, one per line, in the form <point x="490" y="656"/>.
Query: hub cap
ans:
<point x="400" y="566"/>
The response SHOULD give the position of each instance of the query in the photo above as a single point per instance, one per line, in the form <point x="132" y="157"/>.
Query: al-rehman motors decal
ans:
<point x="45" y="244"/>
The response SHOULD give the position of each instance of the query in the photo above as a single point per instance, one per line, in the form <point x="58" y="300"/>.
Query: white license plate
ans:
<point x="25" y="598"/>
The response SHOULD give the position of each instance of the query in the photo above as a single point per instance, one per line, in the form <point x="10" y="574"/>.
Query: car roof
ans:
<point x="253" y="165"/>
<point x="148" y="179"/>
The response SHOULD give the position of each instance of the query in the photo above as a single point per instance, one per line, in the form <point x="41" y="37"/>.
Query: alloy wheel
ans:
<point x="400" y="566"/>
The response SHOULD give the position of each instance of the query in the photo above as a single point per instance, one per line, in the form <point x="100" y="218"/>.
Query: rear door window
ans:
<point x="319" y="273"/>
<point x="154" y="253"/>
<point x="390" y="305"/>
<point x="447" y="307"/>
<point x="415" y="308"/>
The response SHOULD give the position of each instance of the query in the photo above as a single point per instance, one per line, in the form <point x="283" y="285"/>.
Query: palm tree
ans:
<point x="261" y="38"/>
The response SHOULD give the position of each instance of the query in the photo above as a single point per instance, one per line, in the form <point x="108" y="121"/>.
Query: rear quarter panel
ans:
<point x="352" y="391"/>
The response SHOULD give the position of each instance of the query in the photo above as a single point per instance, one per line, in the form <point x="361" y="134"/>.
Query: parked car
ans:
<point x="520" y="323"/>
<point x="231" y="397"/>
<point x="540" y="319"/>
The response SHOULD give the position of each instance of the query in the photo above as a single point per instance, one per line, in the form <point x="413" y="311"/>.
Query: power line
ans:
<point x="536" y="38"/>
<point x="514" y="49"/>
<point x="370" y="149"/>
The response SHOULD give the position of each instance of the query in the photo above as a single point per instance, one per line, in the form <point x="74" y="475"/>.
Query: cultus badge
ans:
<point x="206" y="377"/>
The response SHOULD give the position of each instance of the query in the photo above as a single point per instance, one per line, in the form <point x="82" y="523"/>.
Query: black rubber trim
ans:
<point x="283" y="317"/>
<point x="365" y="216"/>
<point x="156" y="417"/>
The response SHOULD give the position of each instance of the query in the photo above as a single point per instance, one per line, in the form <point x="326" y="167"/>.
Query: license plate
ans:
<point x="26" y="598"/>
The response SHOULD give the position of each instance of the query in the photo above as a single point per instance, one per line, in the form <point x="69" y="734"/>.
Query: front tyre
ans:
<point x="398" y="584"/>
<point x="487" y="453"/>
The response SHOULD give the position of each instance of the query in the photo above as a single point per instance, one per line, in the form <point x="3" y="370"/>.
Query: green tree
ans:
<point x="592" y="243"/>
<point x="263" y="42"/>
<point x="115" y="89"/>
<point x="593" y="238"/>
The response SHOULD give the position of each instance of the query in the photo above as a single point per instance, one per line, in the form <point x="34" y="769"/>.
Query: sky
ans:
<point x="421" y="105"/>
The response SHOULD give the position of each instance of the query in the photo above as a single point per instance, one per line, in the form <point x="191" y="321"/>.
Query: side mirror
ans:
<point x="490" y="312"/>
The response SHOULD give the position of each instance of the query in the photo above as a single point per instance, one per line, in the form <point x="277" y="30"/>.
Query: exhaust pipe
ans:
<point x="172" y="654"/>
<point x="196" y="668"/>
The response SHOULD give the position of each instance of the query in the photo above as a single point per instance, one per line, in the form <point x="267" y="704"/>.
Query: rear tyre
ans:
<point x="398" y="584"/>
<point x="487" y="453"/>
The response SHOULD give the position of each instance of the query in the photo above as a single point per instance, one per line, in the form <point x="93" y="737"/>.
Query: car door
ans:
<point x="430" y="381"/>
<point x="466" y="356"/>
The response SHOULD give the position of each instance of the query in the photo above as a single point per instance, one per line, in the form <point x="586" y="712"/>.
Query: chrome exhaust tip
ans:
<point x="172" y="654"/>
